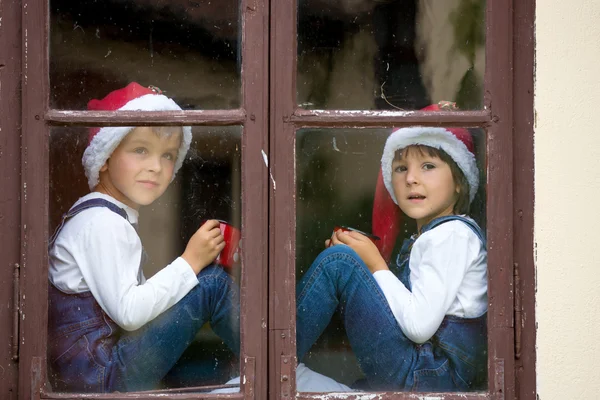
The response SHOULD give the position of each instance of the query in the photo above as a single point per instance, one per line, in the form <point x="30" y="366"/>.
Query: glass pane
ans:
<point x="156" y="327"/>
<point x="190" y="50"/>
<point x="359" y="323"/>
<point x="377" y="55"/>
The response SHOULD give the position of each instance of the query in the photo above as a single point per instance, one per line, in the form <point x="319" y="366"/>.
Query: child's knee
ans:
<point x="340" y="249"/>
<point x="340" y="252"/>
<point x="212" y="271"/>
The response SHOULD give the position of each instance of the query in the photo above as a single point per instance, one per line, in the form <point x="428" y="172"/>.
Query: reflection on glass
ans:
<point x="125" y="305"/>
<point x="364" y="314"/>
<point x="190" y="50"/>
<point x="379" y="55"/>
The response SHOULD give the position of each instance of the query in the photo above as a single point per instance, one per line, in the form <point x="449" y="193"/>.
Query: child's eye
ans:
<point x="400" y="168"/>
<point x="169" y="156"/>
<point x="428" y="166"/>
<point x="140" y="150"/>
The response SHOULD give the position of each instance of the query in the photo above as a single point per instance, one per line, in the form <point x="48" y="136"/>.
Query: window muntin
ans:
<point x="398" y="55"/>
<point x="189" y="50"/>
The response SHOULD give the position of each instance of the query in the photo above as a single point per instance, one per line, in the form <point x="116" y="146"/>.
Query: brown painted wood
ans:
<point x="375" y="119"/>
<point x="499" y="97"/>
<point x="155" y="118"/>
<point x="34" y="196"/>
<point x="10" y="183"/>
<point x="255" y="195"/>
<point x="282" y="207"/>
<point x="142" y="396"/>
<point x="524" y="193"/>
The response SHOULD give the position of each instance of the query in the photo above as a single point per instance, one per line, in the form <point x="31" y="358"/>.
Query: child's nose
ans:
<point x="154" y="164"/>
<point x="411" y="176"/>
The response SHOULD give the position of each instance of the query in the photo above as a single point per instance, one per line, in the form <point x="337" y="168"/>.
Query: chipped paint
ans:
<point x="369" y="113"/>
<point x="266" y="160"/>
<point x="379" y="396"/>
<point x="334" y="143"/>
<point x="25" y="54"/>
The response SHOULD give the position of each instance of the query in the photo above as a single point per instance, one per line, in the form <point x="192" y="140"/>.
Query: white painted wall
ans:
<point x="567" y="190"/>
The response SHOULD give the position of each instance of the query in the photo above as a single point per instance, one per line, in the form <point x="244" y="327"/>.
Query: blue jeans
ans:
<point x="90" y="353"/>
<point x="339" y="280"/>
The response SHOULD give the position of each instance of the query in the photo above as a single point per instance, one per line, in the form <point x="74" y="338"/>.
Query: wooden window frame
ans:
<point x="509" y="187"/>
<point x="268" y="330"/>
<point x="37" y="119"/>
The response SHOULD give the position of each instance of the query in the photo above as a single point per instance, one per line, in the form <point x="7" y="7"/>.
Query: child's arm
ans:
<point x="364" y="247"/>
<point x="109" y="260"/>
<point x="439" y="261"/>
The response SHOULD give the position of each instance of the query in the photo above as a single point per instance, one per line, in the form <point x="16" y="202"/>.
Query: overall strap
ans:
<point x="469" y="222"/>
<point x="84" y="206"/>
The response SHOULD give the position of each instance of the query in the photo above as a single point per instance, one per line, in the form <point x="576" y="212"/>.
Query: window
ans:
<point x="271" y="94"/>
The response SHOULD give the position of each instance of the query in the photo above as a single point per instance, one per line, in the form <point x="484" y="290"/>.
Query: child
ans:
<point x="418" y="325"/>
<point x="110" y="329"/>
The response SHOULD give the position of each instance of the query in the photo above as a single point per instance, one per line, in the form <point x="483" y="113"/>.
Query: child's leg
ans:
<point x="338" y="277"/>
<point x="145" y="356"/>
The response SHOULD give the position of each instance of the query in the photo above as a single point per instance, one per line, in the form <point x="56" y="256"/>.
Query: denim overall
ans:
<point x="89" y="352"/>
<point x="454" y="359"/>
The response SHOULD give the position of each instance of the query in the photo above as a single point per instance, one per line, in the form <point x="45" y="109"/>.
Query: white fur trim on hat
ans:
<point x="108" y="138"/>
<point x="438" y="138"/>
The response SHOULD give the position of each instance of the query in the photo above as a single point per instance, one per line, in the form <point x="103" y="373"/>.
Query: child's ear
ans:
<point x="104" y="167"/>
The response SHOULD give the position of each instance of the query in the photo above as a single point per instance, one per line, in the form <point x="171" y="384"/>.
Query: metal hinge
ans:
<point x="286" y="365"/>
<point x="16" y="312"/>
<point x="518" y="310"/>
<point x="286" y="376"/>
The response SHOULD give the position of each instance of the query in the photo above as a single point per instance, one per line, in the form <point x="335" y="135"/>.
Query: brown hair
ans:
<point x="463" y="202"/>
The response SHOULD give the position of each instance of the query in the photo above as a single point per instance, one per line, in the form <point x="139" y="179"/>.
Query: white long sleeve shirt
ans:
<point x="99" y="251"/>
<point x="448" y="273"/>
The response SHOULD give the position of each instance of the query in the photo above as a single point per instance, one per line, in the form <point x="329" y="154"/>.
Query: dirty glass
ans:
<point x="390" y="55"/>
<point x="189" y="49"/>
<point x="206" y="187"/>
<point x="336" y="182"/>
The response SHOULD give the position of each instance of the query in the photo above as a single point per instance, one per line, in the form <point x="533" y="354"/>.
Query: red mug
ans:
<point x="372" y="237"/>
<point x="230" y="255"/>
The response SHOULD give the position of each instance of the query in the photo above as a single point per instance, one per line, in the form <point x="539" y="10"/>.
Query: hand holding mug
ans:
<point x="204" y="245"/>
<point x="364" y="244"/>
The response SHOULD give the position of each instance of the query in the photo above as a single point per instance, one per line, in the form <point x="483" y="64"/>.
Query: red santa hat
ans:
<point x="456" y="142"/>
<point x="103" y="141"/>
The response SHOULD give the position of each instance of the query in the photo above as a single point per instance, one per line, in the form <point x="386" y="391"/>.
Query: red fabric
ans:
<point x="386" y="219"/>
<point x="461" y="133"/>
<point x="115" y="100"/>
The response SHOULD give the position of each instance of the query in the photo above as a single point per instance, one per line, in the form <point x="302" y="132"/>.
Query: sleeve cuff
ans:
<point x="186" y="271"/>
<point x="382" y="277"/>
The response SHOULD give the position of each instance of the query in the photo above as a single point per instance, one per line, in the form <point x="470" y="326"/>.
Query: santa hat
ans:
<point x="456" y="142"/>
<point x="103" y="141"/>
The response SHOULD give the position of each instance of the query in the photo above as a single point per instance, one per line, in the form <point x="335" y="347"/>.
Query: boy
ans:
<point x="110" y="328"/>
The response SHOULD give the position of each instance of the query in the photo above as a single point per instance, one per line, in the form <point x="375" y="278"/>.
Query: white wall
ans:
<point x="567" y="190"/>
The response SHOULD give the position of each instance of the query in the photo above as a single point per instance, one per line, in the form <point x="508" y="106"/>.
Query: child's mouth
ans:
<point x="149" y="184"/>
<point x="416" y="197"/>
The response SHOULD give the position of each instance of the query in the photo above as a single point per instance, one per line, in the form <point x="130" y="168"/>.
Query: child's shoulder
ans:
<point x="100" y="211"/>
<point x="463" y="226"/>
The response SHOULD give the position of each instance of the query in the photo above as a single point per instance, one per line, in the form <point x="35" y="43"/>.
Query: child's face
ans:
<point x="140" y="169"/>
<point x="424" y="186"/>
